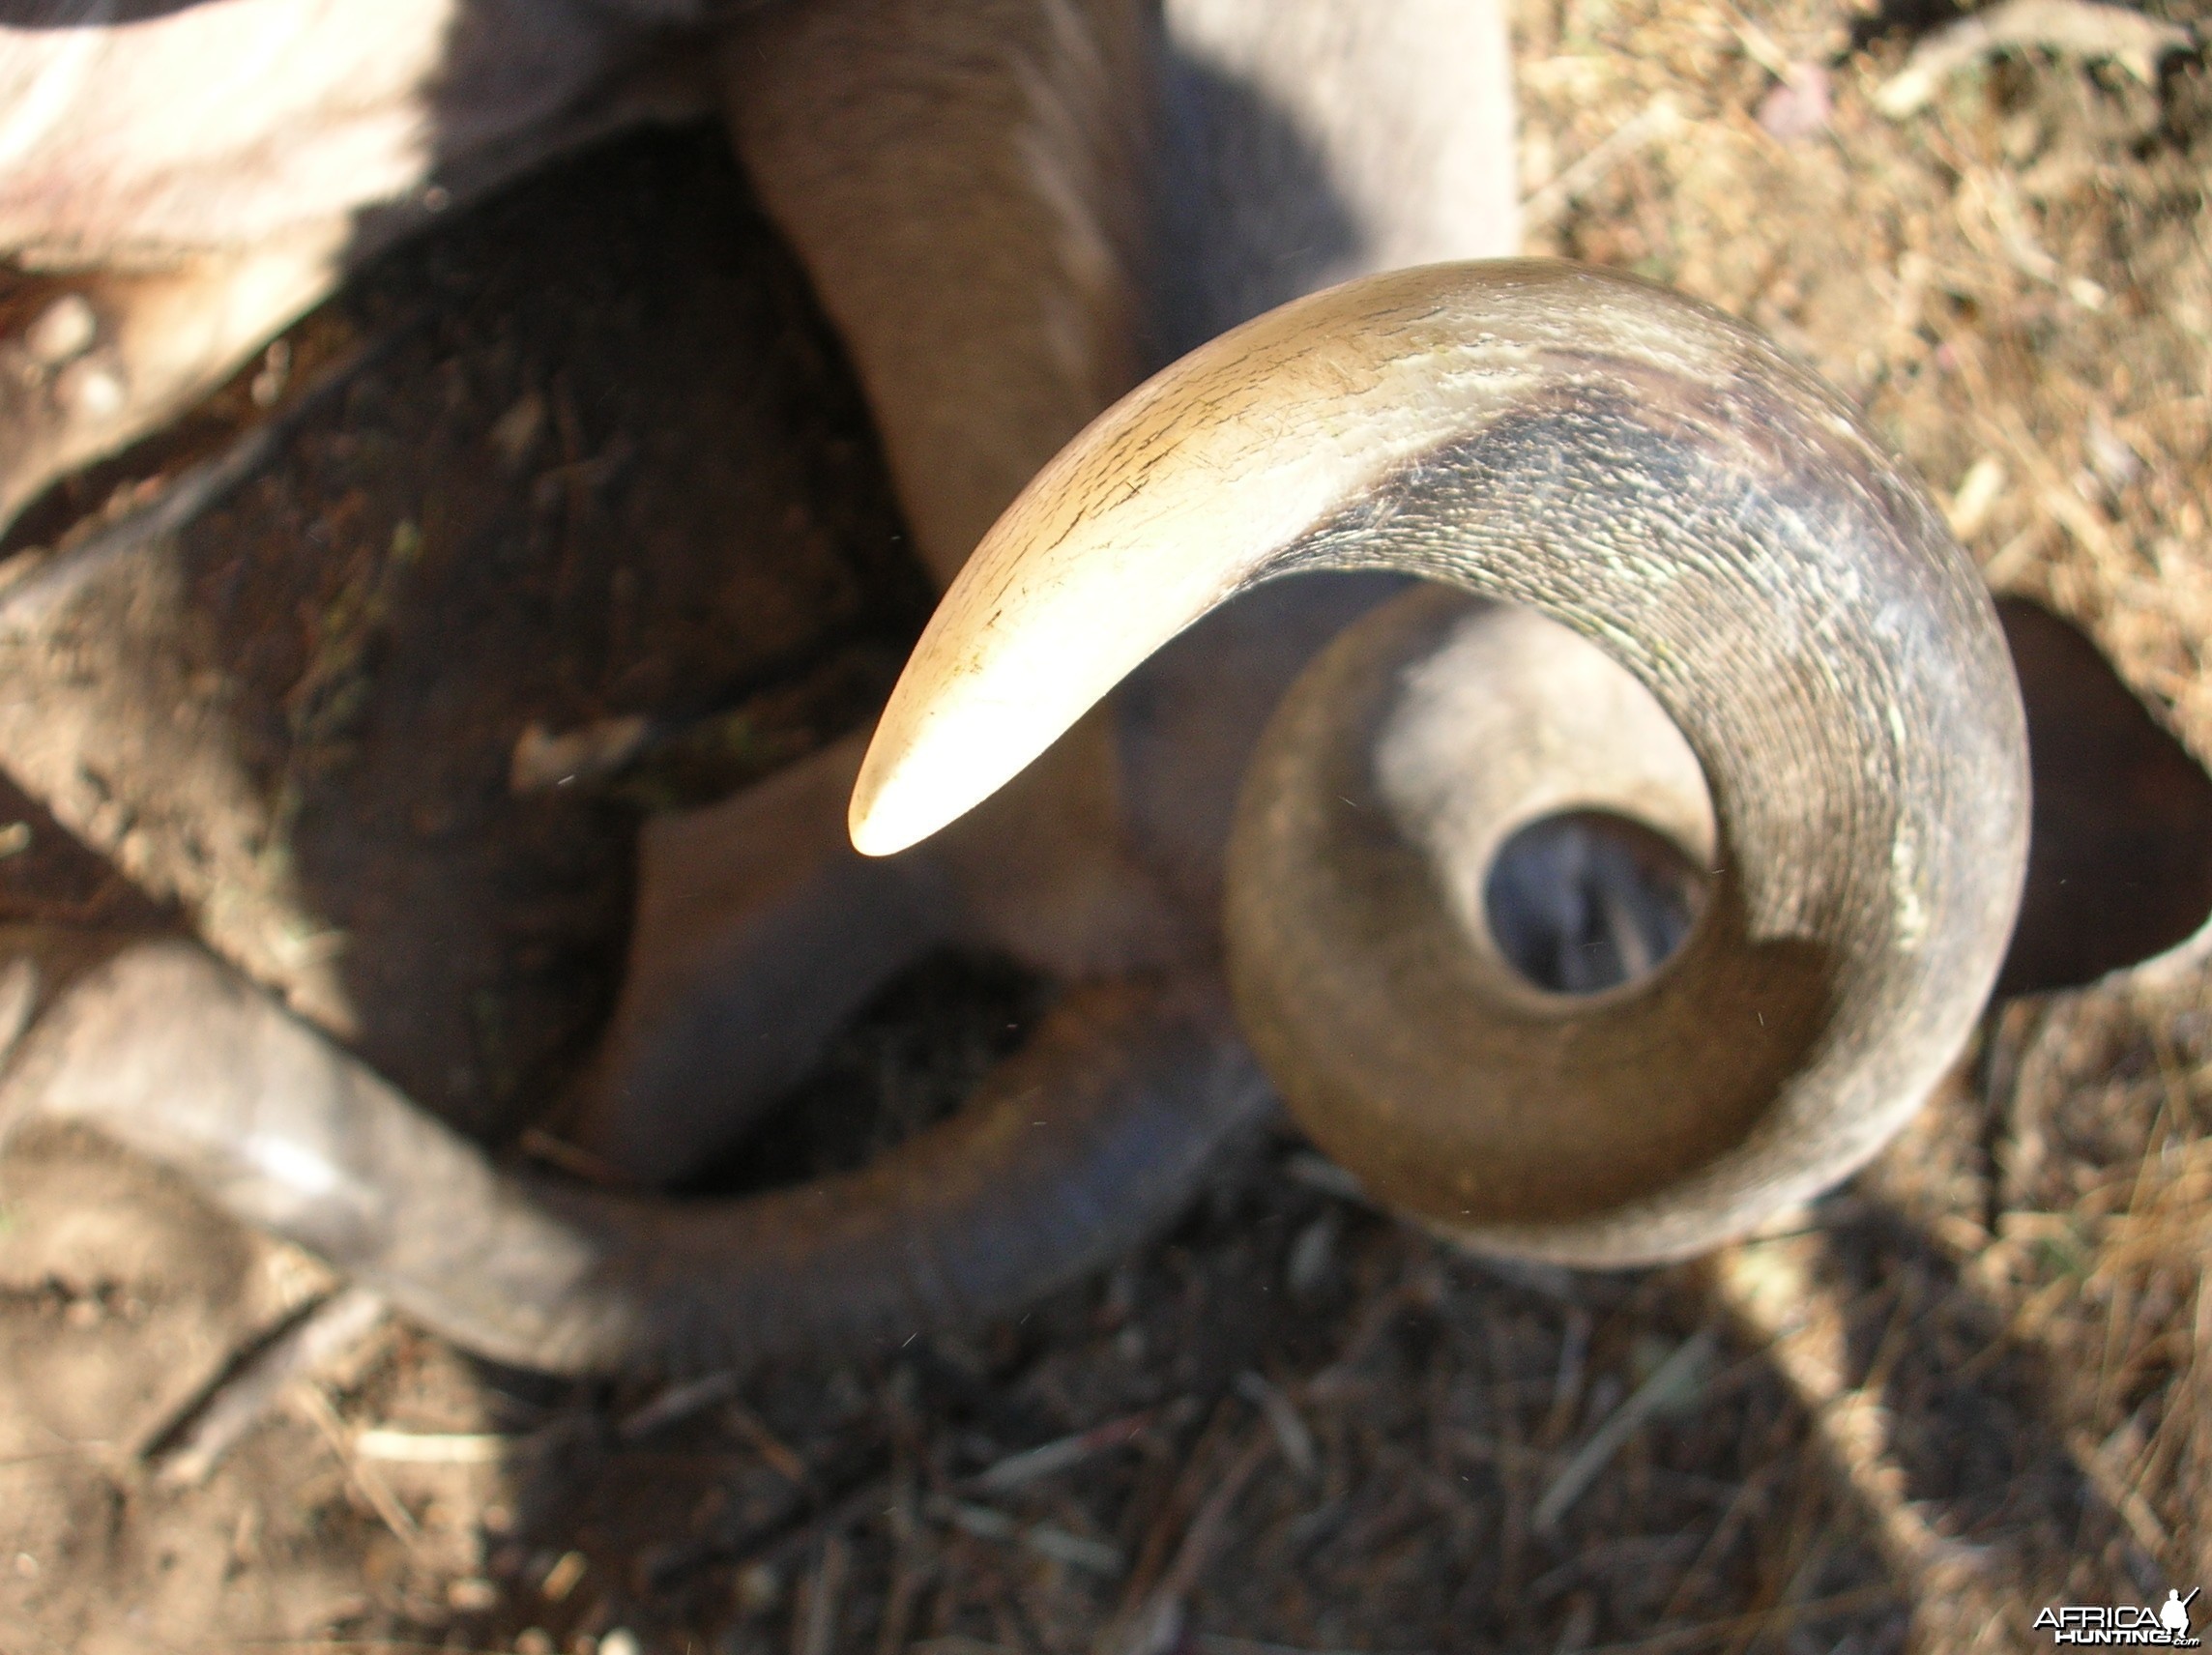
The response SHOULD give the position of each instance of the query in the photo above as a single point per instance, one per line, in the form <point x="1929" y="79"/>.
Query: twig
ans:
<point x="781" y="1457"/>
<point x="2120" y="1493"/>
<point x="1156" y="1621"/>
<point x="1658" y="121"/>
<point x="678" y="1402"/>
<point x="1283" y="1419"/>
<point x="1045" y="1539"/>
<point x="1757" y="1622"/>
<point x="358" y="1646"/>
<point x="1678" y="1379"/>
<point x="2071" y="26"/>
<point x="775" y="1542"/>
<point x="1224" y="1644"/>
<point x="905" y="1577"/>
<point x="815" y="1626"/>
<point x="188" y="1448"/>
<point x="1031" y="1464"/>
<point x="1332" y="1379"/>
<point x="1567" y="1382"/>
<point x="439" y="1447"/>
<point x="1724" y="1531"/>
<point x="311" y="1402"/>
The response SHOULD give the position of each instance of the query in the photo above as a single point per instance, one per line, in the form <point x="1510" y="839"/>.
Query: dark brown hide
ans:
<point x="2119" y="861"/>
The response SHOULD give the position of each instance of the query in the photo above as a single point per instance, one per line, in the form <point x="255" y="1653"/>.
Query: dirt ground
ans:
<point x="587" y="454"/>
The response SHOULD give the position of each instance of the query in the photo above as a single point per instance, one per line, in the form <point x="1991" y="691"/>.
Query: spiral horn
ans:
<point x="1659" y="479"/>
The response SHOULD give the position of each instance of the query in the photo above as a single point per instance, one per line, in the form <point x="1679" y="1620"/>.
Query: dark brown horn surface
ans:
<point x="1717" y="521"/>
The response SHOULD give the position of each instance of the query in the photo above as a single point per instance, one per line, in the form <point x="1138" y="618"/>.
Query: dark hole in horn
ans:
<point x="1584" y="901"/>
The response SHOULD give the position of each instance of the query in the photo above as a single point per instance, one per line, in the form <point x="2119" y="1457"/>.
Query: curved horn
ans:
<point x="1657" y="478"/>
<point x="170" y="1053"/>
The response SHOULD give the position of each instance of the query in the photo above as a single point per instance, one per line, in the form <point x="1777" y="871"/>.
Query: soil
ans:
<point x="587" y="454"/>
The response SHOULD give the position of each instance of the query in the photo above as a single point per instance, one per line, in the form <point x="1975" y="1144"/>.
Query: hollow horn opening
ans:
<point x="1586" y="901"/>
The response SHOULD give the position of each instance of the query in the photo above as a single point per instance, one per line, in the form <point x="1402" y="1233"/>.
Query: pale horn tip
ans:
<point x="1164" y="506"/>
<point x="890" y="811"/>
<point x="939" y="752"/>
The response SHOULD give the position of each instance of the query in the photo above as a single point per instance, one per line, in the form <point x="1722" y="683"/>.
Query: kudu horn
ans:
<point x="1074" y="1151"/>
<point x="1658" y="478"/>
